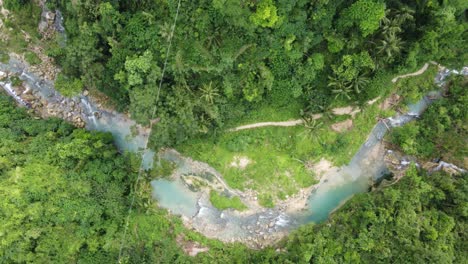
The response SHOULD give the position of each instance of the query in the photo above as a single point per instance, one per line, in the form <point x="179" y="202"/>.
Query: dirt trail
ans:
<point x="336" y="111"/>
<point x="264" y="124"/>
<point x="416" y="73"/>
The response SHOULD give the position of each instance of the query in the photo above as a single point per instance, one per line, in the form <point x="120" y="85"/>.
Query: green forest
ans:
<point x="60" y="206"/>
<point x="65" y="192"/>
<point x="230" y="58"/>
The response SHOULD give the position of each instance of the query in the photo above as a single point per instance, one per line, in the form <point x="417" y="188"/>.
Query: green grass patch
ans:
<point x="32" y="58"/>
<point x="278" y="155"/>
<point x="15" y="42"/>
<point x="68" y="86"/>
<point x="274" y="153"/>
<point x="16" y="81"/>
<point x="222" y="202"/>
<point x="4" y="57"/>
<point x="341" y="147"/>
<point x="266" y="200"/>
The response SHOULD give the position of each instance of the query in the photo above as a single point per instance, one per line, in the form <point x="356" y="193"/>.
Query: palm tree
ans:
<point x="358" y="82"/>
<point x="209" y="92"/>
<point x="390" y="46"/>
<point x="389" y="25"/>
<point x="311" y="125"/>
<point x="404" y="14"/>
<point x="339" y="87"/>
<point x="165" y="30"/>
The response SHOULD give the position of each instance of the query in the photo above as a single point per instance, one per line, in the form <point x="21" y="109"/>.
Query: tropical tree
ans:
<point x="390" y="47"/>
<point x="404" y="14"/>
<point x="389" y="25"/>
<point x="358" y="82"/>
<point x="339" y="87"/>
<point x="209" y="92"/>
<point x="165" y="31"/>
<point x="312" y="125"/>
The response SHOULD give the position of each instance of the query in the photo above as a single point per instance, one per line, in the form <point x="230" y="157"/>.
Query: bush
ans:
<point x="15" y="4"/>
<point x="162" y="168"/>
<point x="4" y="57"/>
<point x="222" y="202"/>
<point x="32" y="58"/>
<point x="266" y="200"/>
<point x="68" y="87"/>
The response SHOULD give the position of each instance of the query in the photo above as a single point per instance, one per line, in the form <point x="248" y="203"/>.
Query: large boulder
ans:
<point x="3" y="75"/>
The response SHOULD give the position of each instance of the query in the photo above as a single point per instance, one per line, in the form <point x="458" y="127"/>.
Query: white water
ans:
<point x="366" y="166"/>
<point x="7" y="87"/>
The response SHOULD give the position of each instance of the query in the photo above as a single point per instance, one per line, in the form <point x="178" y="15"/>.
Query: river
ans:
<point x="257" y="227"/>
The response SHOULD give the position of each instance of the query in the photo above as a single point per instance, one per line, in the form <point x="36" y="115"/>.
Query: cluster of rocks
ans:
<point x="398" y="164"/>
<point x="46" y="69"/>
<point x="68" y="109"/>
<point x="260" y="229"/>
<point x="47" y="24"/>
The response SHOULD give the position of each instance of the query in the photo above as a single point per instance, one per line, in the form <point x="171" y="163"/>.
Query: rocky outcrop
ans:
<point x="443" y="166"/>
<point x="68" y="109"/>
<point x="390" y="101"/>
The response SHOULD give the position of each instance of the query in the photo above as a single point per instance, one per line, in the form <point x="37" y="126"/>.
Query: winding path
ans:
<point x="416" y="73"/>
<point x="336" y="111"/>
<point x="264" y="124"/>
<point x="419" y="72"/>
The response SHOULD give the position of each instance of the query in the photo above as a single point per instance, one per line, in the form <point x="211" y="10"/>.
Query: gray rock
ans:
<point x="42" y="26"/>
<point x="50" y="16"/>
<point x="3" y="75"/>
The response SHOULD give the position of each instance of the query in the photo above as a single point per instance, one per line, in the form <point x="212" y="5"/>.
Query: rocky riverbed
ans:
<point x="257" y="226"/>
<point x="44" y="102"/>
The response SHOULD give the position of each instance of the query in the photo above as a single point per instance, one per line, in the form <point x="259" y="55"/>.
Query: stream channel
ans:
<point x="257" y="227"/>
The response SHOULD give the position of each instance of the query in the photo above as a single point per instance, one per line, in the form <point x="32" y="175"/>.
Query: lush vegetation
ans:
<point x="414" y="88"/>
<point x="280" y="157"/>
<point x="234" y="62"/>
<point x="20" y="29"/>
<point x="222" y="202"/>
<point x="230" y="58"/>
<point x="421" y="219"/>
<point x="162" y="168"/>
<point x="65" y="192"/>
<point x="61" y="206"/>
<point x="32" y="58"/>
<point x="442" y="130"/>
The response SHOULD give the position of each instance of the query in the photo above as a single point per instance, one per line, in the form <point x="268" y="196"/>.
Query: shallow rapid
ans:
<point x="254" y="227"/>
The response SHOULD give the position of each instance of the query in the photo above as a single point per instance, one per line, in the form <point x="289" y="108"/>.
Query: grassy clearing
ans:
<point x="275" y="164"/>
<point x="278" y="154"/>
<point x="222" y="202"/>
